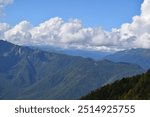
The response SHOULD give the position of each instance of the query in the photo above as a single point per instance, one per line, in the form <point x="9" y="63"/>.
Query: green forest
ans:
<point x="132" y="88"/>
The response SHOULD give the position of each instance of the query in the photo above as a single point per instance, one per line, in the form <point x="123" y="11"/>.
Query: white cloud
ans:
<point x="73" y="34"/>
<point x="3" y="27"/>
<point x="47" y="32"/>
<point x="19" y="34"/>
<point x="70" y="34"/>
<point x="139" y="29"/>
<point x="3" y="4"/>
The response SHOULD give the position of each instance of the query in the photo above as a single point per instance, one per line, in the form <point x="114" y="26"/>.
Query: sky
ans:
<point x="93" y="13"/>
<point x="101" y="25"/>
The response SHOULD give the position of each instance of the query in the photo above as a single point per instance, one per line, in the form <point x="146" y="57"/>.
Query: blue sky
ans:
<point x="93" y="13"/>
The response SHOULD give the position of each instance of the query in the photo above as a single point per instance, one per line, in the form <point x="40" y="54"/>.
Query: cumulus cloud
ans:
<point x="19" y="34"/>
<point x="138" y="32"/>
<point x="3" y="4"/>
<point x="72" y="34"/>
<point x="57" y="32"/>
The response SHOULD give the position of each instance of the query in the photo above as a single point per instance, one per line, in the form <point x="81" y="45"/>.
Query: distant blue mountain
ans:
<point x="96" y="55"/>
<point x="137" y="56"/>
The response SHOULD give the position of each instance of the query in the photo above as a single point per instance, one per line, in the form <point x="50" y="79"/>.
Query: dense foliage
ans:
<point x="136" y="87"/>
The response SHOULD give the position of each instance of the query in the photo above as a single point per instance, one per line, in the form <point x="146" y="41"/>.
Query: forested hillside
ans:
<point x="137" y="87"/>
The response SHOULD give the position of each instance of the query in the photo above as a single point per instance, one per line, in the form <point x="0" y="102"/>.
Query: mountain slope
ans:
<point x="136" y="87"/>
<point x="33" y="74"/>
<point x="136" y="56"/>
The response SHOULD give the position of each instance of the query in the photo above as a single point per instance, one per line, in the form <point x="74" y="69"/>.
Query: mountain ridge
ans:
<point x="137" y="56"/>
<point x="34" y="74"/>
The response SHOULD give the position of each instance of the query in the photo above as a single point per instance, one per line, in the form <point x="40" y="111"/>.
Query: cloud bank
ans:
<point x="72" y="34"/>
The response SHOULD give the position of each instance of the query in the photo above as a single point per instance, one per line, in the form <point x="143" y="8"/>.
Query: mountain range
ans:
<point x="133" y="88"/>
<point x="27" y="73"/>
<point x="96" y="55"/>
<point x="137" y="56"/>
